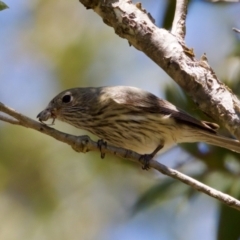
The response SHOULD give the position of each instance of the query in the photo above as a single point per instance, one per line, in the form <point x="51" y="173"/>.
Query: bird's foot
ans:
<point x="146" y="158"/>
<point x="102" y="144"/>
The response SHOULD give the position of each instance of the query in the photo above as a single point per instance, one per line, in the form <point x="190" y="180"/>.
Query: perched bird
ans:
<point x="132" y="118"/>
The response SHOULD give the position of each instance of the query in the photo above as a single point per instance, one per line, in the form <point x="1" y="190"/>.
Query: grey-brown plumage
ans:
<point x="131" y="118"/>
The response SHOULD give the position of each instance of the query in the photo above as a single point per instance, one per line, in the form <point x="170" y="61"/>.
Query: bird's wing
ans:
<point x="142" y="100"/>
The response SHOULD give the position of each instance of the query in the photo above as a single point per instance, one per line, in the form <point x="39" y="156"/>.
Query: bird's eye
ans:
<point x="66" y="98"/>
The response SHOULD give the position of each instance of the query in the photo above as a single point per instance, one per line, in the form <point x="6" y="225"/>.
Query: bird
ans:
<point x="131" y="118"/>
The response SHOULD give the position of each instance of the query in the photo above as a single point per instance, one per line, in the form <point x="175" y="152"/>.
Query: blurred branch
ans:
<point x="179" y="22"/>
<point x="9" y="120"/>
<point x="85" y="144"/>
<point x="236" y="30"/>
<point x="196" y="77"/>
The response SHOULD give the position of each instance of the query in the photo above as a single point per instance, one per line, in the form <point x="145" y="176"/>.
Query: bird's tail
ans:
<point x="220" y="141"/>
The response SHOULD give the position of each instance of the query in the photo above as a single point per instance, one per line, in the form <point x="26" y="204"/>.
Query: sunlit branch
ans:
<point x="179" y="22"/>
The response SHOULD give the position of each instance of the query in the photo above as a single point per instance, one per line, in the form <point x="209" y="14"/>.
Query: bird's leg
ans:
<point x="101" y="143"/>
<point x="145" y="159"/>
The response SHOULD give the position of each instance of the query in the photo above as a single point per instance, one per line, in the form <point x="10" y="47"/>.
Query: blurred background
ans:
<point x="48" y="191"/>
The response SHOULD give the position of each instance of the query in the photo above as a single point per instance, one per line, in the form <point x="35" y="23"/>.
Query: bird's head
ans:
<point x="69" y="103"/>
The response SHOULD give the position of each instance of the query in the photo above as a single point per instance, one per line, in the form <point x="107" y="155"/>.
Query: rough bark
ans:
<point x="168" y="51"/>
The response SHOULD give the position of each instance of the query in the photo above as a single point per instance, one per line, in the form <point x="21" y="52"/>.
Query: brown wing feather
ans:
<point x="150" y="103"/>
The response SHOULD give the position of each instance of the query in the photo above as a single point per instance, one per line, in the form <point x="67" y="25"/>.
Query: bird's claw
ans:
<point x="145" y="160"/>
<point x="101" y="143"/>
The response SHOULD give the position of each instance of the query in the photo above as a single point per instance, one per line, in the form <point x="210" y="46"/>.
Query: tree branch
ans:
<point x="236" y="30"/>
<point x="9" y="120"/>
<point x="85" y="144"/>
<point x="179" y="22"/>
<point x="197" y="78"/>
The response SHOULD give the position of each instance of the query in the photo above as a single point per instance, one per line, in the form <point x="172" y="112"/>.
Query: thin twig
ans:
<point x="9" y="120"/>
<point x="179" y="22"/>
<point x="85" y="144"/>
<point x="236" y="30"/>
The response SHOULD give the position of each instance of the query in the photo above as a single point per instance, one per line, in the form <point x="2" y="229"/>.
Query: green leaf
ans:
<point x="168" y="14"/>
<point x="229" y="218"/>
<point x="228" y="225"/>
<point x="3" y="6"/>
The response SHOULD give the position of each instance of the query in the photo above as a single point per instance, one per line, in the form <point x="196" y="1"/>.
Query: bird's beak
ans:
<point x="47" y="114"/>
